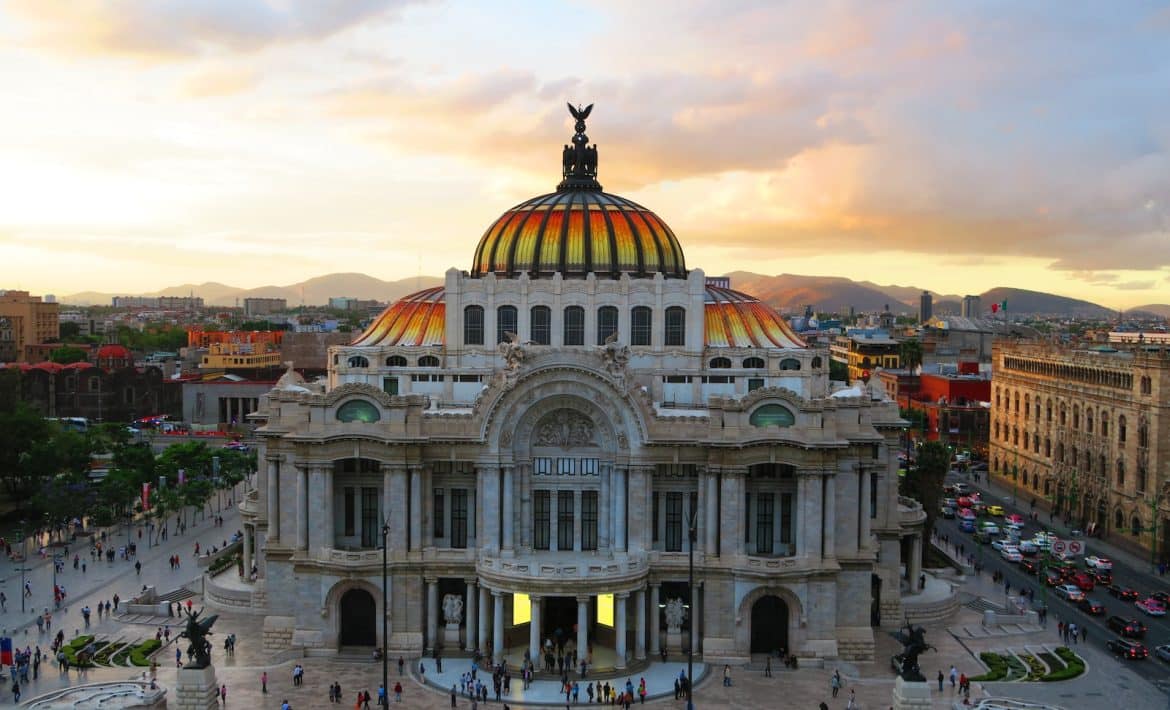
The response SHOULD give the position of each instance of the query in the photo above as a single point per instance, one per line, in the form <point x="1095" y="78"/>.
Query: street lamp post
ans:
<point x="385" y="616"/>
<point x="23" y="565"/>
<point x="692" y="537"/>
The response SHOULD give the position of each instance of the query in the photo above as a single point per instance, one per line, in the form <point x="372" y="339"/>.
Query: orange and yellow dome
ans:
<point x="416" y="320"/>
<point x="577" y="232"/>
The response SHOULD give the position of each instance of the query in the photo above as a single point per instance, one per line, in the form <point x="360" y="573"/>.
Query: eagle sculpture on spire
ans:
<point x="579" y="113"/>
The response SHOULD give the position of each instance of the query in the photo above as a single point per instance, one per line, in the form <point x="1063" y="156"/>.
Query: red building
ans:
<point x="956" y="408"/>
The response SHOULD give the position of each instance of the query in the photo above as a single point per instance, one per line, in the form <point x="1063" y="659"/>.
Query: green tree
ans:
<point x="925" y="480"/>
<point x="838" y="371"/>
<point x="69" y="330"/>
<point x="67" y="354"/>
<point x="910" y="352"/>
<point x="24" y="437"/>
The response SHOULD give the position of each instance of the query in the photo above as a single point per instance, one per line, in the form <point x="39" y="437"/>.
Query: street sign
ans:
<point x="1058" y="547"/>
<point x="1075" y="547"/>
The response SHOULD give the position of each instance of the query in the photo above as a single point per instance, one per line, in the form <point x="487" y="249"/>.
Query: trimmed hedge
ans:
<point x="996" y="667"/>
<point x="1075" y="665"/>
<point x="140" y="655"/>
<point x="222" y="563"/>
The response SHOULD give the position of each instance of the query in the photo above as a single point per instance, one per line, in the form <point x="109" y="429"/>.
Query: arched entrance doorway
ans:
<point x="358" y="616"/>
<point x="769" y="624"/>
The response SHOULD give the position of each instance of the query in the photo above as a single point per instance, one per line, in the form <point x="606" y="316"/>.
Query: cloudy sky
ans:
<point x="950" y="145"/>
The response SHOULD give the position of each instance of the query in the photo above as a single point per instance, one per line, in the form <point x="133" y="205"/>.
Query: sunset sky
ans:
<point x="950" y="145"/>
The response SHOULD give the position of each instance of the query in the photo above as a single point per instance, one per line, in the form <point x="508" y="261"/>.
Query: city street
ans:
<point x="1127" y="571"/>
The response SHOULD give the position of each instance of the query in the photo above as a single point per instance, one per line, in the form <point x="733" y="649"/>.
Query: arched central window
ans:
<point x="790" y="363"/>
<point x="574" y="325"/>
<point x="395" y="361"/>
<point x="641" y="322"/>
<point x="676" y="326"/>
<point x="607" y="323"/>
<point x="358" y="361"/>
<point x="772" y="415"/>
<point x="358" y="410"/>
<point x="473" y="325"/>
<point x="754" y="363"/>
<point x="428" y="361"/>
<point x="719" y="363"/>
<point x="540" y="325"/>
<point x="506" y="322"/>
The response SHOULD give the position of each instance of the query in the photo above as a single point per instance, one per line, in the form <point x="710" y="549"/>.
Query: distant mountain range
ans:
<point x="788" y="293"/>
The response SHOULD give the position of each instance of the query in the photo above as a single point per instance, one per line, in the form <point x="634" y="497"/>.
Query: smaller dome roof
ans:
<point x="113" y="352"/>
<point x="417" y="319"/>
<point x="737" y="320"/>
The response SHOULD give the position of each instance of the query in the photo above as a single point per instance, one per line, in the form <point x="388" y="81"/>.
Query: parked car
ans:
<point x="967" y="525"/>
<point x="1127" y="649"/>
<point x="1071" y="592"/>
<point x="1121" y="592"/>
<point x="1162" y="597"/>
<point x="1083" y="581"/>
<point x="1091" y="606"/>
<point x="1101" y="563"/>
<point x="1027" y="547"/>
<point x="1129" y="628"/>
<point x="996" y="510"/>
<point x="1103" y="577"/>
<point x="1151" y="606"/>
<point x="964" y="502"/>
<point x="1163" y="652"/>
<point x="1029" y="566"/>
<point x="948" y="512"/>
<point x="998" y="543"/>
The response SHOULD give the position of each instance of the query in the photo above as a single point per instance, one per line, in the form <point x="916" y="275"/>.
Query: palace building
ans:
<point x="1083" y="432"/>
<point x="538" y="438"/>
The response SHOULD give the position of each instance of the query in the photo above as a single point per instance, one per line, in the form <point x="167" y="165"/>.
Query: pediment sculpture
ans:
<point x="565" y="428"/>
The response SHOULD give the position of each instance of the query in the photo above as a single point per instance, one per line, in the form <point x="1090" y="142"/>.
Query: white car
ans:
<point x="1070" y="592"/>
<point x="999" y="543"/>
<point x="1102" y="564"/>
<point x="1028" y="547"/>
<point x="990" y="528"/>
<point x="1042" y="543"/>
<point x="1011" y="554"/>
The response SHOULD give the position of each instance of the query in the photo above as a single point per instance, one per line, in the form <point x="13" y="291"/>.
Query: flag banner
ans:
<point x="6" y="651"/>
<point x="145" y="496"/>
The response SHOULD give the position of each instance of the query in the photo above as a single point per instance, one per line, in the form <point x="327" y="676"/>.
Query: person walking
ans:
<point x="223" y="694"/>
<point x="726" y="676"/>
<point x="940" y="680"/>
<point x="1084" y="634"/>
<point x="835" y="683"/>
<point x="768" y="667"/>
<point x="264" y="683"/>
<point x="852" y="704"/>
<point x="398" y="692"/>
<point x="954" y="677"/>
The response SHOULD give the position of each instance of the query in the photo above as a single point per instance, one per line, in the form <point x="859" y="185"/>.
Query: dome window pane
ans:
<point x="772" y="415"/>
<point x="506" y="320"/>
<point x="790" y="363"/>
<point x="358" y="361"/>
<point x="574" y="325"/>
<point x="541" y="325"/>
<point x="641" y="320"/>
<point x="676" y="325"/>
<point x="607" y="323"/>
<point x="358" y="410"/>
<point x="473" y="325"/>
<point x="753" y="363"/>
<point x="719" y="363"/>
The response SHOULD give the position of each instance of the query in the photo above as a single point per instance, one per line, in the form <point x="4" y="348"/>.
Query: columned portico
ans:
<point x="472" y="621"/>
<point x="619" y="628"/>
<point x="416" y="513"/>
<point x="498" y="625"/>
<point x="914" y="565"/>
<point x="582" y="626"/>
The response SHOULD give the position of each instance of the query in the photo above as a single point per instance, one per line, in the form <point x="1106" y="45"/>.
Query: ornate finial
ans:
<point x="579" y="161"/>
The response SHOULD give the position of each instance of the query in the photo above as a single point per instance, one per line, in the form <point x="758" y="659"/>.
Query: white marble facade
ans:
<point x="547" y="481"/>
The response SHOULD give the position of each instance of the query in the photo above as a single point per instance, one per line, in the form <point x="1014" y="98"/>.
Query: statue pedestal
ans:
<point x="196" y="689"/>
<point x="674" y="639"/>
<point x="451" y="637"/>
<point x="911" y="695"/>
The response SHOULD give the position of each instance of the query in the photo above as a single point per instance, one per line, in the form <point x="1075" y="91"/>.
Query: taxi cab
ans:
<point x="996" y="510"/>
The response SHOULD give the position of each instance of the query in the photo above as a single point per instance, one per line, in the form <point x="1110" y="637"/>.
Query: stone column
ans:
<point x="655" y="616"/>
<point x="914" y="566"/>
<point x="471" y="641"/>
<point x="534" y="634"/>
<point x="328" y="532"/>
<point x="273" y="501"/>
<point x="316" y="502"/>
<point x="711" y="523"/>
<point x="484" y="616"/>
<point x="416" y="508"/>
<point x="432" y="612"/>
<point x="576" y="521"/>
<point x="395" y="508"/>
<point x="490" y="539"/>
<point x="582" y="628"/>
<point x="809" y="521"/>
<point x="731" y="515"/>
<point x="863" y="512"/>
<point x="302" y="508"/>
<point x="619" y="628"/>
<point x="497" y="626"/>
<point x="509" y="502"/>
<point x="829" y="497"/>
<point x="696" y="617"/>
<point x="640" y="633"/>
<point x="619" y="510"/>
<point x="428" y="509"/>
<point x="248" y="532"/>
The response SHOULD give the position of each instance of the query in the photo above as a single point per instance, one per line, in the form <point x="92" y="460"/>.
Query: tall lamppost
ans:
<point x="692" y="537"/>
<point x="385" y="618"/>
<point x="23" y="565"/>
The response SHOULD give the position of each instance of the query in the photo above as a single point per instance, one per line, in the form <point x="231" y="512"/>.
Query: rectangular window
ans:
<point x="654" y="517"/>
<point x="588" y="520"/>
<point x="371" y="527"/>
<point x="755" y="383"/>
<point x="438" y="515"/>
<point x="541" y="509"/>
<point x="588" y="467"/>
<point x="607" y="323"/>
<point x="873" y="495"/>
<point x="542" y="466"/>
<point x="676" y="379"/>
<point x="574" y="325"/>
<point x="765" y="512"/>
<point x="566" y="510"/>
<point x="541" y="325"/>
<point x="350" y="513"/>
<point x="674" y="517"/>
<point x="676" y="326"/>
<point x="459" y="518"/>
<point x="640" y="325"/>
<point x="506" y="319"/>
<point x="390" y="385"/>
<point x="565" y="467"/>
<point x="786" y="521"/>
